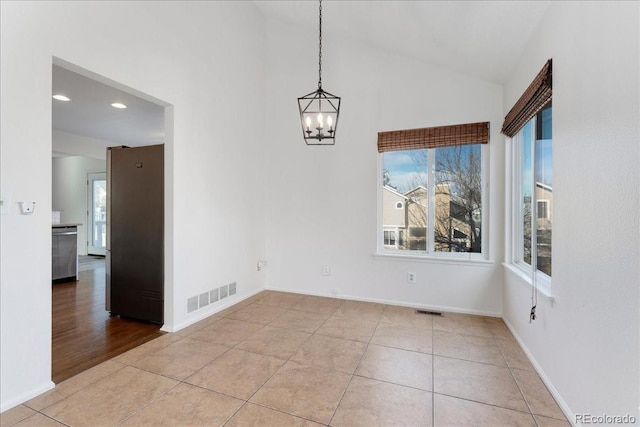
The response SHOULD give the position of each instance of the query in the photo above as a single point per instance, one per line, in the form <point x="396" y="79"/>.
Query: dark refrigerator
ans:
<point x="135" y="232"/>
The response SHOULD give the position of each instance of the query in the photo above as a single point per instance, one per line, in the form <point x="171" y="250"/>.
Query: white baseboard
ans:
<point x="391" y="302"/>
<point x="26" y="396"/>
<point x="213" y="309"/>
<point x="571" y="417"/>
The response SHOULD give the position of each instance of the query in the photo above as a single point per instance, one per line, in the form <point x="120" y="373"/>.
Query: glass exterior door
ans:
<point x="97" y="213"/>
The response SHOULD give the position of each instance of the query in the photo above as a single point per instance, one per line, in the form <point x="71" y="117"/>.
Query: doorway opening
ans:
<point x="96" y="213"/>
<point x="83" y="332"/>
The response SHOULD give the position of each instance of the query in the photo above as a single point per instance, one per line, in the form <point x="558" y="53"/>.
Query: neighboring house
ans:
<point x="395" y="218"/>
<point x="405" y="220"/>
<point x="544" y="215"/>
<point x="544" y="196"/>
<point x="453" y="231"/>
<point x="417" y="216"/>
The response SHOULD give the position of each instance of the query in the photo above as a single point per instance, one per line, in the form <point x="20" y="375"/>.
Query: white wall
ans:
<point x="80" y="145"/>
<point x="586" y="344"/>
<point x="205" y="60"/>
<point x="69" y="191"/>
<point x="322" y="201"/>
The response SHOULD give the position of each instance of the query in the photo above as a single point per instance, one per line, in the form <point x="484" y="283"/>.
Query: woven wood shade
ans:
<point x="532" y="100"/>
<point x="439" y="136"/>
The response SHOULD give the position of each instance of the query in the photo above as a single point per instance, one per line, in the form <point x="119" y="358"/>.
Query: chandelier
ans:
<point x="319" y="110"/>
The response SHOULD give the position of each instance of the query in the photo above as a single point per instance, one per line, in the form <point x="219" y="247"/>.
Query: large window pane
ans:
<point x="526" y="190"/>
<point x="544" y="189"/>
<point x="535" y="191"/>
<point x="458" y="199"/>
<point x="405" y="199"/>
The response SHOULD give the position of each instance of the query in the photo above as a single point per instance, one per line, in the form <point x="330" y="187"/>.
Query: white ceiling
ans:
<point x="479" y="38"/>
<point x="89" y="113"/>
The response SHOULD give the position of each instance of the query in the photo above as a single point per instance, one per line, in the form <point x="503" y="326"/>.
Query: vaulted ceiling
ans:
<point x="479" y="38"/>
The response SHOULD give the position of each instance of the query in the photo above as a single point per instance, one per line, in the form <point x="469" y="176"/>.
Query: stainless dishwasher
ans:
<point x="64" y="252"/>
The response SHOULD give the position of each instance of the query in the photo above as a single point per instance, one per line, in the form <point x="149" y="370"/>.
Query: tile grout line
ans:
<point x="433" y="378"/>
<point x="513" y="376"/>
<point x="492" y="329"/>
<point x="247" y="401"/>
<point x="353" y="374"/>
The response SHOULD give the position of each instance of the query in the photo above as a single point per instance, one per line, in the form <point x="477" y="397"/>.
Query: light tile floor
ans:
<point x="282" y="359"/>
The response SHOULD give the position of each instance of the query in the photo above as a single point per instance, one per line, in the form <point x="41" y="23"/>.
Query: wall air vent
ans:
<point x="192" y="304"/>
<point x="430" y="313"/>
<point x="204" y="299"/>
<point x="214" y="295"/>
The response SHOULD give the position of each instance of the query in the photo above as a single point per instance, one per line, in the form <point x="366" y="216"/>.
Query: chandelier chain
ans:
<point x="320" y="50"/>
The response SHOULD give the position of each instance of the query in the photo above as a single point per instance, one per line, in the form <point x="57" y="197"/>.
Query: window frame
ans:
<point x="542" y="280"/>
<point x="385" y="251"/>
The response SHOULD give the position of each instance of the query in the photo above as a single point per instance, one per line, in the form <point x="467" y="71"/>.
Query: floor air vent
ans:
<point x="430" y="313"/>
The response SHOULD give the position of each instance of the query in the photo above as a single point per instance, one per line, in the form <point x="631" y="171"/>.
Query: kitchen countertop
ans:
<point x="71" y="224"/>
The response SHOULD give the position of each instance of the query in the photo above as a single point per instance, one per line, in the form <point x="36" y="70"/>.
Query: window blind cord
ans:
<point x="534" y="246"/>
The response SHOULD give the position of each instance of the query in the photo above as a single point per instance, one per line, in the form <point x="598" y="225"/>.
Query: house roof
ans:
<point x="419" y="187"/>
<point x="395" y="192"/>
<point x="544" y="186"/>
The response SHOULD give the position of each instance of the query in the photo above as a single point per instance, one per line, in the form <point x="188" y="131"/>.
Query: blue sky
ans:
<point x="405" y="173"/>
<point x="402" y="169"/>
<point x="544" y="153"/>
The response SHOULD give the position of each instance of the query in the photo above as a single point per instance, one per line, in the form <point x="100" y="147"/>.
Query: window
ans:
<point x="389" y="237"/>
<point x="533" y="193"/>
<point x="441" y="185"/>
<point x="529" y="125"/>
<point x="543" y="209"/>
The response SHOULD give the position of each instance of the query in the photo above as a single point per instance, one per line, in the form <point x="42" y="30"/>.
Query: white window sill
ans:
<point x="479" y="261"/>
<point x="544" y="286"/>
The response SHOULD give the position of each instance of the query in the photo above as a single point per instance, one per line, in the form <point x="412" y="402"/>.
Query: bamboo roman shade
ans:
<point x="439" y="136"/>
<point x="532" y="100"/>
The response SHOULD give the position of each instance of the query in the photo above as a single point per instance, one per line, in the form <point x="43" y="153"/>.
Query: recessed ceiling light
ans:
<point x="60" y="97"/>
<point x="118" y="105"/>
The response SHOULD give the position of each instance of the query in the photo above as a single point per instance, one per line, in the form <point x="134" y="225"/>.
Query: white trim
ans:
<point x="464" y="258"/>
<point x="544" y="281"/>
<point x="568" y="413"/>
<point x="442" y="308"/>
<point x="27" y="396"/>
<point x="214" y="308"/>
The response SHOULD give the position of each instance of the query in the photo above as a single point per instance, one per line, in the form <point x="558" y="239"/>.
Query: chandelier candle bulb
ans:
<point x="330" y="123"/>
<point x="308" y="124"/>
<point x="319" y="121"/>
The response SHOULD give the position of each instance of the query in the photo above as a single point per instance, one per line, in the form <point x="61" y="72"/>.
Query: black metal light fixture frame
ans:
<point x="319" y="110"/>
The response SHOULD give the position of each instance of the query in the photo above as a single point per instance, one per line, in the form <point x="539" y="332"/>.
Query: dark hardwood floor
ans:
<point x="83" y="333"/>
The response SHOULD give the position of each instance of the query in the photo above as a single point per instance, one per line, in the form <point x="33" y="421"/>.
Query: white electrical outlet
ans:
<point x="326" y="270"/>
<point x="411" y="277"/>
